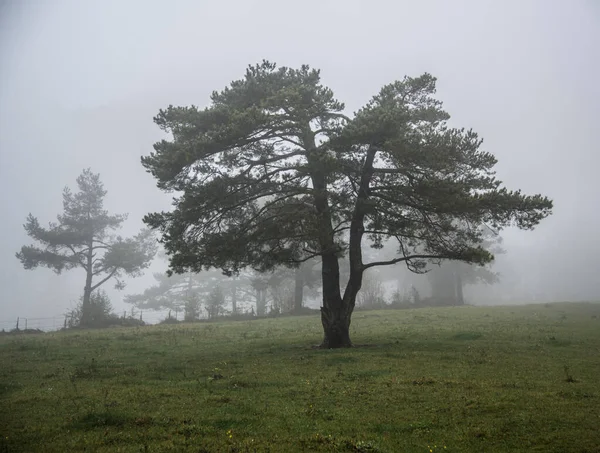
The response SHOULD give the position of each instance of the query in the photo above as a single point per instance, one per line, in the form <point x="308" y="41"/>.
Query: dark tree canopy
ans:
<point x="273" y="172"/>
<point x="83" y="238"/>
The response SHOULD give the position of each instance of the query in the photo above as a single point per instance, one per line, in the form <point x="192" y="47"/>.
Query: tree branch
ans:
<point x="114" y="271"/>
<point x="307" y="258"/>
<point x="405" y="258"/>
<point x="276" y="158"/>
<point x="388" y="170"/>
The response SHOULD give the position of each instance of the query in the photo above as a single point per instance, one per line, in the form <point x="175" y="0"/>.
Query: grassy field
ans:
<point x="428" y="380"/>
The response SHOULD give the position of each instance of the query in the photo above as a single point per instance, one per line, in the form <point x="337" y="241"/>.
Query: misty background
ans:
<point x="81" y="81"/>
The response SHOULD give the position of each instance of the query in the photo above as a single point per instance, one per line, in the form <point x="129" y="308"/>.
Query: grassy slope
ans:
<point x="454" y="379"/>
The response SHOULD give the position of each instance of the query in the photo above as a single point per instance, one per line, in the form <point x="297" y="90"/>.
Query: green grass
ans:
<point x="448" y="379"/>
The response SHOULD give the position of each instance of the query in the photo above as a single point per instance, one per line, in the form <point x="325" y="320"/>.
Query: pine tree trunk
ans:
<point x="298" y="291"/>
<point x="336" y="328"/>
<point x="336" y="311"/>
<point x="86" y="304"/>
<point x="87" y="290"/>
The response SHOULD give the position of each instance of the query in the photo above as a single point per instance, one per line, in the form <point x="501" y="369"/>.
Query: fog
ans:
<point x="81" y="81"/>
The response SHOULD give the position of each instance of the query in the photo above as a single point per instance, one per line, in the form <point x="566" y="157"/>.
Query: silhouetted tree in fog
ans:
<point x="215" y="303"/>
<point x="449" y="279"/>
<point x="177" y="292"/>
<point x="82" y="238"/>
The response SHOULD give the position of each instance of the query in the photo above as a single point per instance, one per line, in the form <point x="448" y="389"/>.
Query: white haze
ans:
<point x="81" y="81"/>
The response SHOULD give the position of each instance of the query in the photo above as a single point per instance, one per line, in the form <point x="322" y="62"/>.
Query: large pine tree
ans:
<point x="273" y="172"/>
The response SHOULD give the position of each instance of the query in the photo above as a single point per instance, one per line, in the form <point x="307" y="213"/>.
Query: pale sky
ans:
<point x="81" y="80"/>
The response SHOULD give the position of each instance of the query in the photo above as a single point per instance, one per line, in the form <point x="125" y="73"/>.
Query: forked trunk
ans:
<point x="336" y="314"/>
<point x="336" y="327"/>
<point x="337" y="310"/>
